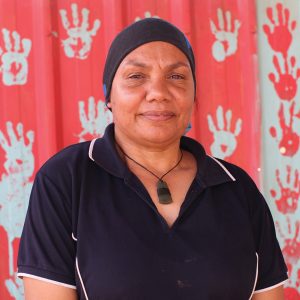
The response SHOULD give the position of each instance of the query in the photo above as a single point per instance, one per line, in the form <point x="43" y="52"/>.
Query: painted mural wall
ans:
<point x="279" y="72"/>
<point x="247" y="111"/>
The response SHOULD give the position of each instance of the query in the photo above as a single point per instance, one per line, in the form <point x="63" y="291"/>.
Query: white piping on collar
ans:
<point x="224" y="168"/>
<point x="91" y="149"/>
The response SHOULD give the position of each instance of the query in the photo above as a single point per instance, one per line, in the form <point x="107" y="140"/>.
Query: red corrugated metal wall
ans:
<point x="52" y="54"/>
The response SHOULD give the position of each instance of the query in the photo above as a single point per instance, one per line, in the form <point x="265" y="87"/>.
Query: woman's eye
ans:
<point x="135" y="76"/>
<point x="177" y="76"/>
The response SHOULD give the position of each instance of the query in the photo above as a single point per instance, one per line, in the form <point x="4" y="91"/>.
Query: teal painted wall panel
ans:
<point x="279" y="69"/>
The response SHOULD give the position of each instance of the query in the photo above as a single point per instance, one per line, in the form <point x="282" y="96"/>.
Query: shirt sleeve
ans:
<point x="47" y="250"/>
<point x="271" y="269"/>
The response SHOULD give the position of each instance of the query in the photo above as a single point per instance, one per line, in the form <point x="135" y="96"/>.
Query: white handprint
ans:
<point x="15" y="184"/>
<point x="19" y="157"/>
<point x="79" y="42"/>
<point x="15" y="288"/>
<point x="226" y="38"/>
<point x="224" y="142"/>
<point x="147" y="14"/>
<point x="94" y="122"/>
<point x="14" y="65"/>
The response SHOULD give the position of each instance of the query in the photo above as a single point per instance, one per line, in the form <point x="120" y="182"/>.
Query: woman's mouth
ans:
<point x="158" y="115"/>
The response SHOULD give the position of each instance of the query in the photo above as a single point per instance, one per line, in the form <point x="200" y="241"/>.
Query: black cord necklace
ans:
<point x="163" y="192"/>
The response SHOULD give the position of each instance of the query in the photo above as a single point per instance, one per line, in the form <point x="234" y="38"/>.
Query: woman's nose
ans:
<point x="157" y="90"/>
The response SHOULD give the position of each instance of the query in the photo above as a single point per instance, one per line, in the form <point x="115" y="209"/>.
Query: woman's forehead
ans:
<point x="160" y="52"/>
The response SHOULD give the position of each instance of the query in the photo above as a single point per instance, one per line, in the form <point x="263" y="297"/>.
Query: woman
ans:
<point x="144" y="213"/>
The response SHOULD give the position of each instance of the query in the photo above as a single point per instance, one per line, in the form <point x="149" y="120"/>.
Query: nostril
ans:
<point x="158" y="91"/>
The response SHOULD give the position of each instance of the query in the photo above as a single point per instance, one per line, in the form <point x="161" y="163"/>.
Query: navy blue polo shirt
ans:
<point x="92" y="226"/>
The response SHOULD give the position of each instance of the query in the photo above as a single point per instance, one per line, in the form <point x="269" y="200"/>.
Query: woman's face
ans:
<point x="152" y="95"/>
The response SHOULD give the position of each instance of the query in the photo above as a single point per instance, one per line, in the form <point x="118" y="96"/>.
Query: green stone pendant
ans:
<point x="163" y="192"/>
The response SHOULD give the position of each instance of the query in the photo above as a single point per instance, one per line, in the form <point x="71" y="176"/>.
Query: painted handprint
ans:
<point x="291" y="247"/>
<point x="291" y="293"/>
<point x="289" y="193"/>
<point x="15" y="287"/>
<point x="94" y="122"/>
<point x="79" y="42"/>
<point x="15" y="184"/>
<point x="279" y="34"/>
<point x="18" y="154"/>
<point x="147" y="14"/>
<point x="226" y="43"/>
<point x="14" y="64"/>
<point x="224" y="142"/>
<point x="286" y="85"/>
<point x="289" y="141"/>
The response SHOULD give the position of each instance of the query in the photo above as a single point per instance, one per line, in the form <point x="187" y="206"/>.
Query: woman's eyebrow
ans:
<point x="178" y="65"/>
<point x="135" y="63"/>
<point x="143" y="65"/>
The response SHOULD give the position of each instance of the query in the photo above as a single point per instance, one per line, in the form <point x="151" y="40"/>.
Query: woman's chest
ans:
<point x="174" y="188"/>
<point x="128" y="252"/>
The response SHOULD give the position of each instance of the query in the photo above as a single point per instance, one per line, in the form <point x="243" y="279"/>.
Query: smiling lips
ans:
<point x="158" y="115"/>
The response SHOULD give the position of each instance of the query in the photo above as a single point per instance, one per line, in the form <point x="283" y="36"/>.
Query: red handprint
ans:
<point x="291" y="252"/>
<point x="291" y="248"/>
<point x="289" y="142"/>
<point x="291" y="293"/>
<point x="286" y="85"/>
<point x="288" y="202"/>
<point x="280" y="38"/>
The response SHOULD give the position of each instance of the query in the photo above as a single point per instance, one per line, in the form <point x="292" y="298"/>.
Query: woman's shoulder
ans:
<point x="240" y="175"/>
<point x="216" y="167"/>
<point x="241" y="180"/>
<point x="245" y="186"/>
<point x="67" y="160"/>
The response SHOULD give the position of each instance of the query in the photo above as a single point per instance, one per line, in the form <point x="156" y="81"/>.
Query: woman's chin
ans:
<point x="159" y="135"/>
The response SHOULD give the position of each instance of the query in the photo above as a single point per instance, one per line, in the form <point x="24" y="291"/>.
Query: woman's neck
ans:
<point x="157" y="158"/>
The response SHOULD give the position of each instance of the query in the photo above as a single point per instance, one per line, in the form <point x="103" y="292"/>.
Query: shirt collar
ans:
<point x="210" y="171"/>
